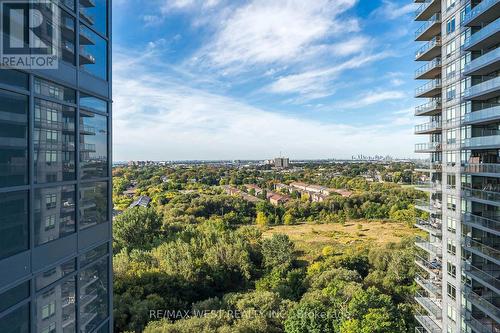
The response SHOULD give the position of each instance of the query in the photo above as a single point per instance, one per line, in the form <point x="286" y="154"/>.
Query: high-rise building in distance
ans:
<point x="459" y="260"/>
<point x="55" y="180"/>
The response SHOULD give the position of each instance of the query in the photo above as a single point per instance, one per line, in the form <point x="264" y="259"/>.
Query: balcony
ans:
<point x="485" y="64"/>
<point x="482" y="142"/>
<point x="430" y="50"/>
<point x="428" y="323"/>
<point x="482" y="169"/>
<point x="426" y="206"/>
<point x="486" y="115"/>
<point x="432" y="267"/>
<point x="482" y="303"/>
<point x="430" y="89"/>
<point x="429" y="128"/>
<point x="429" y="29"/>
<point x="430" y="70"/>
<point x="428" y="147"/>
<point x="430" y="108"/>
<point x="432" y="305"/>
<point x="433" y="226"/>
<point x="87" y="147"/>
<point x="485" y="11"/>
<point x="432" y="286"/>
<point x="431" y="167"/>
<point x="485" y="278"/>
<point x="87" y="3"/>
<point x="428" y="186"/>
<point x="427" y="9"/>
<point x="484" y="90"/>
<point x="484" y="251"/>
<point x="481" y="325"/>
<point x="482" y="223"/>
<point x="431" y="248"/>
<point x="482" y="196"/>
<point x="484" y="38"/>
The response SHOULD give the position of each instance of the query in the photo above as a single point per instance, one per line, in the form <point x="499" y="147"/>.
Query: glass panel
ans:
<point x="93" y="298"/>
<point x="67" y="38"/>
<point x="13" y="296"/>
<point x="13" y="223"/>
<point x="17" y="321"/>
<point x="93" y="145"/>
<point x="54" y="213"/>
<point x="93" y="103"/>
<point x="14" y="78"/>
<point x="54" y="139"/>
<point x="70" y="4"/>
<point x="55" y="309"/>
<point x="52" y="90"/>
<point x="93" y="53"/>
<point x="104" y="328"/>
<point x="94" y="13"/>
<point x="93" y="204"/>
<point x="52" y="275"/>
<point x="13" y="139"/>
<point x="93" y="255"/>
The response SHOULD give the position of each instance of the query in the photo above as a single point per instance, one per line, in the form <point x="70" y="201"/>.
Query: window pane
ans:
<point x="52" y="90"/>
<point x="93" y="255"/>
<point x="13" y="296"/>
<point x="93" y="145"/>
<point x="94" y="13"/>
<point x="93" y="204"/>
<point x="52" y="275"/>
<point x="55" y="308"/>
<point x="67" y="38"/>
<point x="70" y="4"/>
<point x="93" y="298"/>
<point x="93" y="53"/>
<point x="13" y="139"/>
<point x="92" y="103"/>
<point x="13" y="223"/>
<point x="54" y="213"/>
<point x="54" y="139"/>
<point x="14" y="78"/>
<point x="17" y="321"/>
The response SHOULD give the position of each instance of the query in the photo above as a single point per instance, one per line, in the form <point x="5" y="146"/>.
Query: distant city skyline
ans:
<point x="225" y="80"/>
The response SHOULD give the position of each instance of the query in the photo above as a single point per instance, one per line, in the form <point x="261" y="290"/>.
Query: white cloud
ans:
<point x="374" y="97"/>
<point x="158" y="118"/>
<point x="391" y="10"/>
<point x="187" y="4"/>
<point x="268" y="31"/>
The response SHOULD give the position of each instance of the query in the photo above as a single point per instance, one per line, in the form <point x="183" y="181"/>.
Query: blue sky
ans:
<point x="231" y="79"/>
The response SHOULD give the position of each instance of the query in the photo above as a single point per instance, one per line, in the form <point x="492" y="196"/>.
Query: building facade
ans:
<point x="55" y="181"/>
<point x="459" y="259"/>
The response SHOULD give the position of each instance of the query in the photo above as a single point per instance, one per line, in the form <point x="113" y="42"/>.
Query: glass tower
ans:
<point x="55" y="181"/>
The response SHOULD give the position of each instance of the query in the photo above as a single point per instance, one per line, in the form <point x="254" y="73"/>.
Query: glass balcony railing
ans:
<point x="485" y="32"/>
<point x="481" y="194"/>
<point x="427" y="147"/>
<point x="483" y="60"/>
<point x="433" y="248"/>
<point x="435" y="42"/>
<point x="481" y="141"/>
<point x="427" y="127"/>
<point x="431" y="285"/>
<point x="432" y="84"/>
<point x="433" y="305"/>
<point x="482" y="221"/>
<point x="434" y="104"/>
<point x="428" y="66"/>
<point x="436" y="18"/>
<point x="482" y="88"/>
<point x="482" y="276"/>
<point x="433" y="266"/>
<point x="426" y="206"/>
<point x="433" y="226"/>
<point x="423" y="7"/>
<point x="428" y="323"/>
<point x="484" y="250"/>
<point x="481" y="302"/>
<point x="490" y="113"/>
<point x="492" y="168"/>
<point x="479" y="9"/>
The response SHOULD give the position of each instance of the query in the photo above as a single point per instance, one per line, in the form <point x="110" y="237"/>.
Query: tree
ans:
<point x="261" y="219"/>
<point x="278" y="251"/>
<point x="137" y="228"/>
<point x="288" y="219"/>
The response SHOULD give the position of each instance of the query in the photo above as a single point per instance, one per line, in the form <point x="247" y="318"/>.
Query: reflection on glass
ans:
<point x="93" y="53"/>
<point x="13" y="223"/>
<point x="53" y="90"/>
<point x="94" y="13"/>
<point x="92" y="103"/>
<point x="70" y="4"/>
<point x="93" y="204"/>
<point x="93" y="145"/>
<point x="17" y="321"/>
<point x="56" y="273"/>
<point x="93" y="255"/>
<point x="55" y="308"/>
<point x="67" y="38"/>
<point x="93" y="295"/>
<point x="13" y="139"/>
<point x="13" y="296"/>
<point x="14" y="78"/>
<point x="54" y="213"/>
<point x="54" y="139"/>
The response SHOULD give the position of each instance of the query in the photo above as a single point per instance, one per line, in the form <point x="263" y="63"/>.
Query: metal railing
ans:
<point x="434" y="267"/>
<point x="432" y="286"/>
<point x="479" y="9"/>
<point x="488" y="223"/>
<point x="491" y="112"/>
<point x="432" y="84"/>
<point x="481" y="141"/>
<point x="480" y="301"/>
<point x="429" y="324"/>
<point x="483" y="87"/>
<point x="423" y="7"/>
<point x="481" y="275"/>
<point x="434" y="248"/>
<point x="430" y="226"/>
<point x="428" y="146"/>
<point x="481" y="34"/>
<point x="430" y="126"/>
<point x="436" y="18"/>
<point x="428" y="66"/>
<point x="470" y="243"/>
<point x="436" y="41"/>
<point x="434" y="104"/>
<point x="482" y="60"/>
<point x="481" y="168"/>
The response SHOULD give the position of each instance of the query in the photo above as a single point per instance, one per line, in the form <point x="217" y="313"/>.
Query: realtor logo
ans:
<point x="30" y="34"/>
